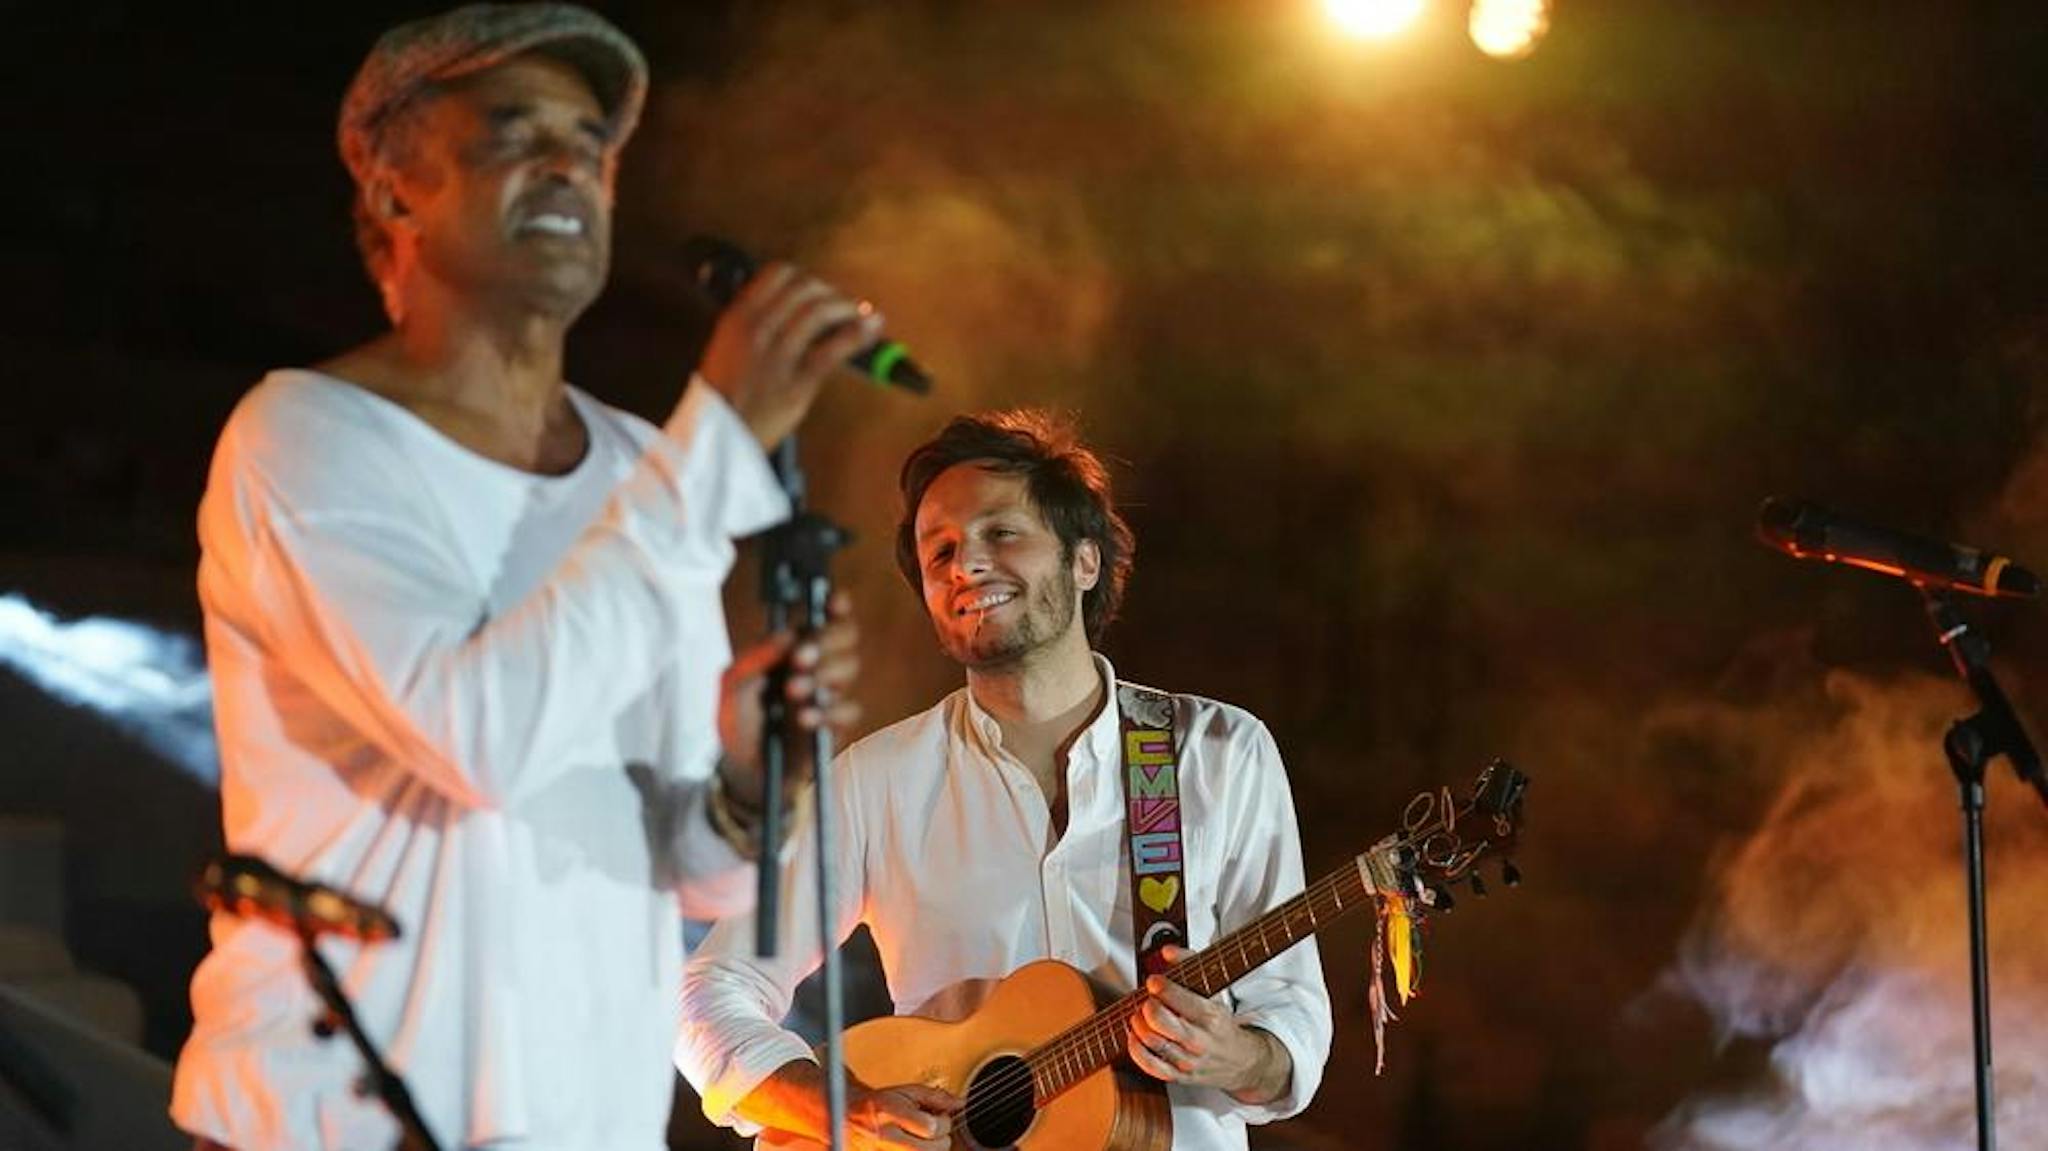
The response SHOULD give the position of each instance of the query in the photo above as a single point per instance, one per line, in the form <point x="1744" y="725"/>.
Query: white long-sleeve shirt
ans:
<point x="946" y="851"/>
<point x="485" y="699"/>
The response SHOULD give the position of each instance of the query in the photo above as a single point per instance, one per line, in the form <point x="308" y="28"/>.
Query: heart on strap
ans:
<point x="1158" y="893"/>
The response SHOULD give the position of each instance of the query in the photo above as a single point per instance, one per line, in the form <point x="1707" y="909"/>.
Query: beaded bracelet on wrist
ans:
<point x="737" y="821"/>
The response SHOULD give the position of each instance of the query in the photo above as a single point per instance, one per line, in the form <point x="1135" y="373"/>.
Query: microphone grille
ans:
<point x="718" y="267"/>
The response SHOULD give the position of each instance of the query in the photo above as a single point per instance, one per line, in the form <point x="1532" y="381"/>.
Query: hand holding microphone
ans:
<point x="782" y="333"/>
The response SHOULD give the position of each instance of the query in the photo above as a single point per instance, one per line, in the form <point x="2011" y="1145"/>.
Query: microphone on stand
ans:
<point x="1808" y="531"/>
<point x="1805" y="530"/>
<point x="246" y="886"/>
<point x="721" y="268"/>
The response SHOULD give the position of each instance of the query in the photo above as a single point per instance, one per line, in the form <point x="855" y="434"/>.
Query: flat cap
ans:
<point x="410" y="58"/>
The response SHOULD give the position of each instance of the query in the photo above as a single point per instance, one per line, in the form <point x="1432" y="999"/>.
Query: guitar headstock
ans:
<point x="1443" y="838"/>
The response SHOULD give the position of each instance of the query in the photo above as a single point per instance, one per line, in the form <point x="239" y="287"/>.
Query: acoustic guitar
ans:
<point x="1041" y="1064"/>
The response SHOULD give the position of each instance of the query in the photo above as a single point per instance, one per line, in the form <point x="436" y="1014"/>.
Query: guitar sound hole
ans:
<point x="999" y="1107"/>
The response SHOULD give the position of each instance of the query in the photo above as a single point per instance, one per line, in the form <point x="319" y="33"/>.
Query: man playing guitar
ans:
<point x="991" y="831"/>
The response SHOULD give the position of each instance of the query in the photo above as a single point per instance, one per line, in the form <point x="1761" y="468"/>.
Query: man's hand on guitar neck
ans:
<point x="1180" y="1037"/>
<point x="907" y="1115"/>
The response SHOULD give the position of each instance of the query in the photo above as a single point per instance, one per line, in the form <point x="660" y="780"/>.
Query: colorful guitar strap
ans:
<point x="1159" y="897"/>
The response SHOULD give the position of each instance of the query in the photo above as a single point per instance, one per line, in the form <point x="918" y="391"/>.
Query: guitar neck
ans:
<point x="1092" y="1044"/>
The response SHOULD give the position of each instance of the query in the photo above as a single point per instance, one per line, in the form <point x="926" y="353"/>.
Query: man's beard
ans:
<point x="1048" y="614"/>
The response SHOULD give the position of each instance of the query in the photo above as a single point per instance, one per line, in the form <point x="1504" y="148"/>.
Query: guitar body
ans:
<point x="1111" y="1110"/>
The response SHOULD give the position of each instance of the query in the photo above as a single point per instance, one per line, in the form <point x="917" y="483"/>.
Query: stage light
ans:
<point x="151" y="683"/>
<point x="1509" y="29"/>
<point x="1374" y="19"/>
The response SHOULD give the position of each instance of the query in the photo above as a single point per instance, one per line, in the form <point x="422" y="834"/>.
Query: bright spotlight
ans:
<point x="1509" y="29"/>
<point x="1374" y="19"/>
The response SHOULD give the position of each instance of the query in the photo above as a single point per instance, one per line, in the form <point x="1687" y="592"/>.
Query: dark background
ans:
<point x="1443" y="391"/>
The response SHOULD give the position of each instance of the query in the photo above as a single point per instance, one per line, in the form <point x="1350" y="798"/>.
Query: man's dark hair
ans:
<point x="1065" y="481"/>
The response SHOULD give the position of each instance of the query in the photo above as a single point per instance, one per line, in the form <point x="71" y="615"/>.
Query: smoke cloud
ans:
<point x="149" y="682"/>
<point x="1836" y="938"/>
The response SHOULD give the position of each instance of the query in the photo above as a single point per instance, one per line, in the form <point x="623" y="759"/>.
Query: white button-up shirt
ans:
<point x="485" y="699"/>
<point x="947" y="852"/>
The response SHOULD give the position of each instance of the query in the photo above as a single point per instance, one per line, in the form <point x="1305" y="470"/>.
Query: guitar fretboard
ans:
<point x="1092" y="1044"/>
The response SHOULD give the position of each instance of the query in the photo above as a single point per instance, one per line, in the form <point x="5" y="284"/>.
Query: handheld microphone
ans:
<point x="1805" y="530"/>
<point x="247" y="886"/>
<point x="720" y="269"/>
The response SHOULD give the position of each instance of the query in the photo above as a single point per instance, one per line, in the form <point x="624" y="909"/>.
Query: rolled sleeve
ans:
<point x="733" y="1001"/>
<point x="1286" y="997"/>
<point x="1307" y="1040"/>
<point x="724" y="1048"/>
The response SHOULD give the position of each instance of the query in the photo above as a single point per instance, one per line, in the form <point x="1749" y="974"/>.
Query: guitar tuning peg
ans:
<point x="1509" y="873"/>
<point x="1478" y="885"/>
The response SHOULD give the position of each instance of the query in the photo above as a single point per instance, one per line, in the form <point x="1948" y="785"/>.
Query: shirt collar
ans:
<point x="1099" y="738"/>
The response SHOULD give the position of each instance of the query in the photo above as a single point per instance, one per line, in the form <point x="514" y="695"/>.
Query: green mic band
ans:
<point x="887" y="354"/>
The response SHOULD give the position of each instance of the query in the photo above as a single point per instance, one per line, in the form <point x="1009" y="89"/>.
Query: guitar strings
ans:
<point x="1203" y="967"/>
<point x="1011" y="1096"/>
<point x="1104" y="1027"/>
<point x="1013" y="1092"/>
<point x="1014" y="1102"/>
<point x="1014" y="1088"/>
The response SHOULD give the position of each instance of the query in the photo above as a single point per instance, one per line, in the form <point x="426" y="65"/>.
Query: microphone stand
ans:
<point x="380" y="1078"/>
<point x="222" y="889"/>
<point x="1971" y="744"/>
<point x="796" y="558"/>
